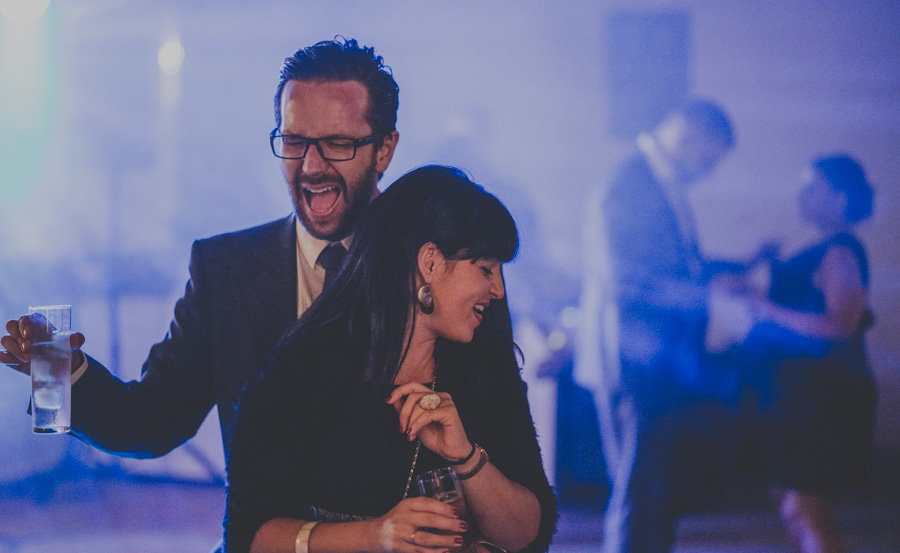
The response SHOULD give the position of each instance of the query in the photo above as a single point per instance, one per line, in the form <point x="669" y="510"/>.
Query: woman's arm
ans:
<point x="265" y="464"/>
<point x="511" y="441"/>
<point x="393" y="532"/>
<point x="507" y="514"/>
<point x="839" y="278"/>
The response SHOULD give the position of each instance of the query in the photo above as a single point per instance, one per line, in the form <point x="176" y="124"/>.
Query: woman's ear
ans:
<point x="429" y="258"/>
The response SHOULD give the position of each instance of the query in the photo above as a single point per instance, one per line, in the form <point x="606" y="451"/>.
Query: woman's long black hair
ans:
<point x="375" y="291"/>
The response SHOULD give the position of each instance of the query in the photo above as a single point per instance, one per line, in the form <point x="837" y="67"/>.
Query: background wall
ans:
<point x="109" y="168"/>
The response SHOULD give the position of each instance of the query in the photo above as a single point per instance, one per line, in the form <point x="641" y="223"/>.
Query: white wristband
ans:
<point x="301" y="544"/>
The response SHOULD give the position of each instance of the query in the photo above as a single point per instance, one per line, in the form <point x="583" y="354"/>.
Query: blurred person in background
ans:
<point x="651" y="379"/>
<point x="804" y="361"/>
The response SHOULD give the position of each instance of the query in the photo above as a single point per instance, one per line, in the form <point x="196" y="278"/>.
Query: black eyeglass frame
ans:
<point x="357" y="144"/>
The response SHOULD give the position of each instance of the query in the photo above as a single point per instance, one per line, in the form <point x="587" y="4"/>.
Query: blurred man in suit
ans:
<point x="656" y="275"/>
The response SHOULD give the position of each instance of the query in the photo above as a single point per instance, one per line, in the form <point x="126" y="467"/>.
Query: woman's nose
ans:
<point x="497" y="287"/>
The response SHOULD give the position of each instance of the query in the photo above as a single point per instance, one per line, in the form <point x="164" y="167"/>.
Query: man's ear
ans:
<point x="385" y="152"/>
<point x="428" y="259"/>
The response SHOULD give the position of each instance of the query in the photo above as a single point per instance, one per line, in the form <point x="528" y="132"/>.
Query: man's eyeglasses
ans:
<point x="292" y="146"/>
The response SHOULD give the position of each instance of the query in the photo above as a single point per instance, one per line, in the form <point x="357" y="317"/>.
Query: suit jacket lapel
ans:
<point x="270" y="288"/>
<point x="680" y="251"/>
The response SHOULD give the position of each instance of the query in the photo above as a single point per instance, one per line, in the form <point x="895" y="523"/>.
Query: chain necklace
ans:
<point x="412" y="468"/>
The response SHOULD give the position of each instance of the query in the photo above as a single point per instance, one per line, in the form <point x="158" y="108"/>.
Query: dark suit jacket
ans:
<point x="661" y="302"/>
<point x="240" y="299"/>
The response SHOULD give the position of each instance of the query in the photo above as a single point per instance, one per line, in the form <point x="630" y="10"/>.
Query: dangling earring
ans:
<point x="426" y="299"/>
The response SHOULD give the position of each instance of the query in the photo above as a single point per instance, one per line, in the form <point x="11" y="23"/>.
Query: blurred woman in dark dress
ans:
<point x="816" y="395"/>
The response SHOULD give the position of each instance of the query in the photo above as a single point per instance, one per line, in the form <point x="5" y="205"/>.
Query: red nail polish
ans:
<point x="464" y="525"/>
<point x="456" y="513"/>
<point x="458" y="541"/>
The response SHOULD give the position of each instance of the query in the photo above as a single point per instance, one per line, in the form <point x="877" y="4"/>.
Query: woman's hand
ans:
<point x="439" y="429"/>
<point x="407" y="528"/>
<point x="403" y="528"/>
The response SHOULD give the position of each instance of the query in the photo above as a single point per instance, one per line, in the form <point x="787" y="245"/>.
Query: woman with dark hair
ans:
<point x="389" y="374"/>
<point x="817" y="403"/>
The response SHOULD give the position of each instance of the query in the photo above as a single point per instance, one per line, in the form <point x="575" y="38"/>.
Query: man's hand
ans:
<point x="17" y="346"/>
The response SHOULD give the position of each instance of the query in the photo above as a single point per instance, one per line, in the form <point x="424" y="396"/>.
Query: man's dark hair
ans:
<point x="710" y="118"/>
<point x="847" y="176"/>
<point x="345" y="60"/>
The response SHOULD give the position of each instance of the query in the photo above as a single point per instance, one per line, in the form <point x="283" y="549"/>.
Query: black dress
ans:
<point x="314" y="440"/>
<point x="817" y="397"/>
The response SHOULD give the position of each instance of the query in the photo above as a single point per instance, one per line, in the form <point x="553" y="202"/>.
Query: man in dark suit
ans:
<point x="335" y="113"/>
<point x="657" y="281"/>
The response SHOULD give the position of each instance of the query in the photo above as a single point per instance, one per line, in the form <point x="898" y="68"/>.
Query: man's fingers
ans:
<point x="16" y="346"/>
<point x="12" y="327"/>
<point x="9" y="359"/>
<point x="25" y="326"/>
<point x="15" y="363"/>
<point x="13" y="349"/>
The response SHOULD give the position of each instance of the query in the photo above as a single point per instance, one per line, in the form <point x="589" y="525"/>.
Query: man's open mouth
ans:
<point x="322" y="200"/>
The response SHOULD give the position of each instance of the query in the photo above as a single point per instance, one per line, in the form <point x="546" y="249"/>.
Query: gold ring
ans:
<point x="430" y="402"/>
<point x="413" y="539"/>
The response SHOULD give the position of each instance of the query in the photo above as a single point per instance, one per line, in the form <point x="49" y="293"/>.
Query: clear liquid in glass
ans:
<point x="51" y="370"/>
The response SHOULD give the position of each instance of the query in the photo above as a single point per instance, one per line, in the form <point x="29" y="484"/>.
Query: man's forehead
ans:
<point x="326" y="103"/>
<point x="350" y="89"/>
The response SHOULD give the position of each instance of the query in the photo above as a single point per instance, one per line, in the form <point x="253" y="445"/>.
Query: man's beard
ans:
<point x="358" y="200"/>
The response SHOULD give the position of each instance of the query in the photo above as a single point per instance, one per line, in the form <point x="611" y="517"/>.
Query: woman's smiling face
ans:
<point x="463" y="289"/>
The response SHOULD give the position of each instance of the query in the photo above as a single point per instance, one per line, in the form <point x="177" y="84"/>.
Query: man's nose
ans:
<point x="314" y="163"/>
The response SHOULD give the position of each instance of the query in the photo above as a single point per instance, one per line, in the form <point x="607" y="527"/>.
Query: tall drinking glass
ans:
<point x="442" y="484"/>
<point x="51" y="369"/>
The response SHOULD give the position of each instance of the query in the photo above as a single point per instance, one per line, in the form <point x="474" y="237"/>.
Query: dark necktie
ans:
<point x="331" y="259"/>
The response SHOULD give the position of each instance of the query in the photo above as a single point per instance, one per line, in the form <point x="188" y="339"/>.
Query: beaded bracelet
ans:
<point x="301" y="544"/>
<point x="482" y="460"/>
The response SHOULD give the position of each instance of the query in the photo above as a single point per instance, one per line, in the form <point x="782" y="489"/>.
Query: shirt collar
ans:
<point x="310" y="246"/>
<point x="660" y="166"/>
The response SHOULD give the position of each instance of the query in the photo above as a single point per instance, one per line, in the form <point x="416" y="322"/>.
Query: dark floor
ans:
<point x="91" y="512"/>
